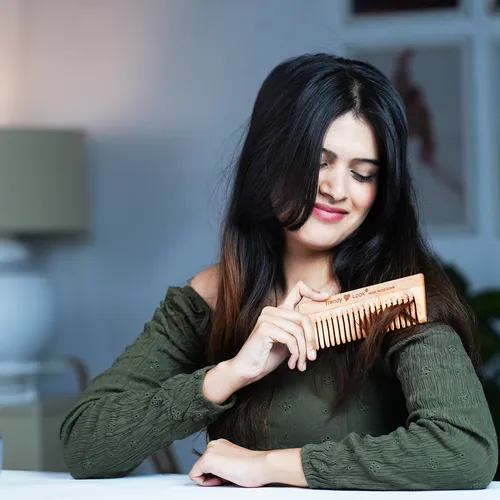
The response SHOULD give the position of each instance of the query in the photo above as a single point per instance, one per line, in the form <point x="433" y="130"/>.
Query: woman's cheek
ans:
<point x="363" y="197"/>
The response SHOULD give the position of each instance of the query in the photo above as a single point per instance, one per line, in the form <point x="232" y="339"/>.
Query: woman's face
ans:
<point x="347" y="186"/>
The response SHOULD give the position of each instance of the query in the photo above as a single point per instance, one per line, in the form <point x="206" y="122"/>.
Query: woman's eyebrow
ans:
<point x="332" y="155"/>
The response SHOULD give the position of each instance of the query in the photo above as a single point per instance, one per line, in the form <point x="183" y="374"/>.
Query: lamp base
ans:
<point x="26" y="316"/>
<point x="18" y="390"/>
<point x="18" y="381"/>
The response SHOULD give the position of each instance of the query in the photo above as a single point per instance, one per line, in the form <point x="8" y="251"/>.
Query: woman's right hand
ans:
<point x="279" y="332"/>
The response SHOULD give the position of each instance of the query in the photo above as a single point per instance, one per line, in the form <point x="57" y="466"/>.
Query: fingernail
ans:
<point x="313" y="354"/>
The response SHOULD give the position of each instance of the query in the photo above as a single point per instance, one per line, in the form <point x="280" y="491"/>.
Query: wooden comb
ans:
<point x="339" y="319"/>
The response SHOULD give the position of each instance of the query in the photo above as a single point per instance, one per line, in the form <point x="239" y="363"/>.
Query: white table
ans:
<point x="20" y="485"/>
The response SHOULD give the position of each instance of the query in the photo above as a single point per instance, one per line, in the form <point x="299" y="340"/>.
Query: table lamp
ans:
<point x="43" y="193"/>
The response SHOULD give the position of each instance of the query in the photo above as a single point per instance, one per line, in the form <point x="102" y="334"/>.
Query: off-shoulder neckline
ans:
<point x="197" y="297"/>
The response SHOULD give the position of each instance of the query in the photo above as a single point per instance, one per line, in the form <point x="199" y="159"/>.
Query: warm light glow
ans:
<point x="10" y="60"/>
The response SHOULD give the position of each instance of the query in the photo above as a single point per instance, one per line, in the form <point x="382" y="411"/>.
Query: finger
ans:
<point x="276" y="334"/>
<point x="303" y="320"/>
<point x="198" y="471"/>
<point x="302" y="290"/>
<point x="210" y="480"/>
<point x="206" y="479"/>
<point x="297" y="331"/>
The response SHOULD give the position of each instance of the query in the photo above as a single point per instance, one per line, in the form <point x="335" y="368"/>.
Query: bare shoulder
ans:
<point x="205" y="283"/>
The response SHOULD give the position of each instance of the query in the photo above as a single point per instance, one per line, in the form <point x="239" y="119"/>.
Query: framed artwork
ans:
<point x="389" y="7"/>
<point x="494" y="5"/>
<point x="433" y="81"/>
<point x="494" y="100"/>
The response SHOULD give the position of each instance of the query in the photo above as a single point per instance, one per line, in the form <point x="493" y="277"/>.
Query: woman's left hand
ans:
<point x="225" y="462"/>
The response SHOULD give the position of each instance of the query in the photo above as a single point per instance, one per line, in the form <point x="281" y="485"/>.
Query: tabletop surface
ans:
<point x="20" y="485"/>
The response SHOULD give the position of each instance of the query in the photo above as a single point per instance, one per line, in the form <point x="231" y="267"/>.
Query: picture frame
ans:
<point x="494" y="57"/>
<point x="441" y="146"/>
<point x="362" y="12"/>
<point x="391" y="7"/>
<point x="494" y="6"/>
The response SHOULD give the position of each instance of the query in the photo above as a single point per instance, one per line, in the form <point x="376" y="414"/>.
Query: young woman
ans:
<point x="321" y="203"/>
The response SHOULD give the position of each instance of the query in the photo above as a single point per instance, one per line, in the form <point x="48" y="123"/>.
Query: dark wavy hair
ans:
<point x="277" y="174"/>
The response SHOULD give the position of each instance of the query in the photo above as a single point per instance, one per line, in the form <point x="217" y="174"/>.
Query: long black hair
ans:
<point x="275" y="188"/>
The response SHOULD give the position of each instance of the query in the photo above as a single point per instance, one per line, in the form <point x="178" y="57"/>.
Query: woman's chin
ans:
<point x="320" y="245"/>
<point x="314" y="239"/>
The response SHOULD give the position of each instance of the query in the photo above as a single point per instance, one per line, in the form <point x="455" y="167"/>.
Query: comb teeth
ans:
<point x="337" y="327"/>
<point x="340" y="320"/>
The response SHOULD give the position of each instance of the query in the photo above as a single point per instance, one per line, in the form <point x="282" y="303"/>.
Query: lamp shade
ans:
<point x="43" y="181"/>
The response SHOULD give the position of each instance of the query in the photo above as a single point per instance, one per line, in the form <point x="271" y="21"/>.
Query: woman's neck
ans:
<point x="314" y="269"/>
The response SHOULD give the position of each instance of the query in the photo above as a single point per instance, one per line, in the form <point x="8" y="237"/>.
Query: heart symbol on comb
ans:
<point x="347" y="296"/>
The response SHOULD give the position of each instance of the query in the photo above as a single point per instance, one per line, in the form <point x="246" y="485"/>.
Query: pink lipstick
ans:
<point x="328" y="213"/>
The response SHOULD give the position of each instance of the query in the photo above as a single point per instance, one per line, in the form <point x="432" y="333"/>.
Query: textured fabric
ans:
<point x="448" y="441"/>
<point x="421" y="421"/>
<point x="150" y="396"/>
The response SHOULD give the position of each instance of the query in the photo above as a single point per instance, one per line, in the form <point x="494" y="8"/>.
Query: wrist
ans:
<point x="284" y="467"/>
<point x="235" y="377"/>
<point x="221" y="382"/>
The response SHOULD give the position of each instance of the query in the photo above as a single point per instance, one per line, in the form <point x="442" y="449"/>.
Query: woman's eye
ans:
<point x="364" y="178"/>
<point x="323" y="165"/>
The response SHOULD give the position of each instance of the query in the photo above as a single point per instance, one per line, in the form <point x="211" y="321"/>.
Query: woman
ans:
<point x="321" y="202"/>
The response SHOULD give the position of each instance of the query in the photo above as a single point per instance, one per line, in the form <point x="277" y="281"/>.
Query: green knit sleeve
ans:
<point x="150" y="396"/>
<point x="449" y="440"/>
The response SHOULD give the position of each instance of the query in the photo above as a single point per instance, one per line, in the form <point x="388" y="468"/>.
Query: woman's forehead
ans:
<point x="350" y="137"/>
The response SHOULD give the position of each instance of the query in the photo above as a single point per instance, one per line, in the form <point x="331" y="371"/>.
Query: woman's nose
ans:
<point x="334" y="184"/>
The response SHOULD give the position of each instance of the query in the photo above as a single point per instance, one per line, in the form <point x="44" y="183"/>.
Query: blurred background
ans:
<point x="117" y="118"/>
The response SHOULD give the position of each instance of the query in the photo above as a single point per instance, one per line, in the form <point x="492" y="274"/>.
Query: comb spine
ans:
<point x="360" y="295"/>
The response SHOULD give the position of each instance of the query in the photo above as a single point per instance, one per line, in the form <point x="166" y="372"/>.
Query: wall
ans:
<point x="474" y="253"/>
<point x="162" y="87"/>
<point x="10" y="42"/>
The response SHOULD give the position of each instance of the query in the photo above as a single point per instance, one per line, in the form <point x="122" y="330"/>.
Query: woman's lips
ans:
<point x="330" y="215"/>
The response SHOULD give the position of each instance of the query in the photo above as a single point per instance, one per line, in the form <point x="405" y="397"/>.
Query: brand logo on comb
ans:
<point x="334" y="301"/>
<point x="347" y="296"/>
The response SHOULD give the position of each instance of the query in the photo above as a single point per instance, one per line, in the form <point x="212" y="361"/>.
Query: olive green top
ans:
<point x="421" y="422"/>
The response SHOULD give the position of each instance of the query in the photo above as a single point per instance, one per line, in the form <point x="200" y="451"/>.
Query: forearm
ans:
<point x="427" y="456"/>
<point x="356" y="463"/>
<point x="111" y="432"/>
